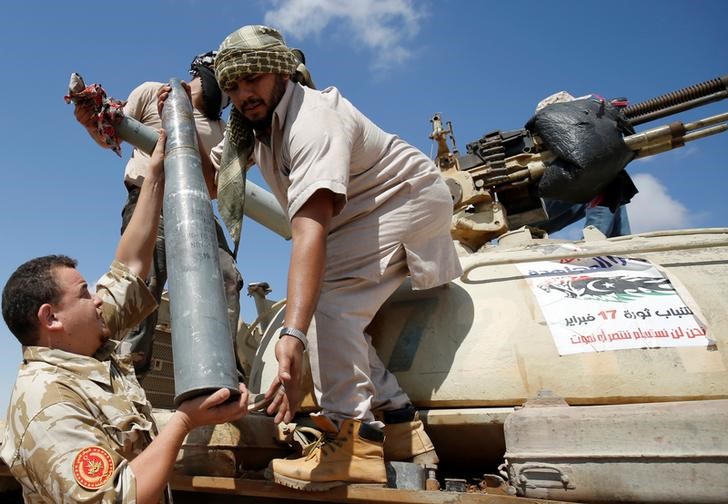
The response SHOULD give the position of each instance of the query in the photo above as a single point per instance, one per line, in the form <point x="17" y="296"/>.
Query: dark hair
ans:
<point x="29" y="287"/>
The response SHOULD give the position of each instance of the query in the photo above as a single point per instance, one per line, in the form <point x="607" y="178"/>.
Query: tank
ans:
<point x="577" y="371"/>
<point x="472" y="353"/>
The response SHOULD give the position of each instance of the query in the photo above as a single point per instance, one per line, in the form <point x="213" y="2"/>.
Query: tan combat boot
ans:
<point x="405" y="439"/>
<point x="353" y="454"/>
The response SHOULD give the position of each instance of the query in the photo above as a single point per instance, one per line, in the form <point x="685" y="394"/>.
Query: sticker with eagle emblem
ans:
<point x="93" y="467"/>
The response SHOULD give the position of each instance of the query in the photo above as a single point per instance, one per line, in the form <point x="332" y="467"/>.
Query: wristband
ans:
<point x="292" y="331"/>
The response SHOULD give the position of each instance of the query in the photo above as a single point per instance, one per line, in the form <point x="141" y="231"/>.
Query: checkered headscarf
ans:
<point x="252" y="49"/>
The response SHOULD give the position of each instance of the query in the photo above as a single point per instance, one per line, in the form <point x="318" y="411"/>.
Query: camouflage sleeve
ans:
<point x="126" y="299"/>
<point x="68" y="458"/>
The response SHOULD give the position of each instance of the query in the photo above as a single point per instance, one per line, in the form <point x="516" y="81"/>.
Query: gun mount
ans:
<point x="494" y="185"/>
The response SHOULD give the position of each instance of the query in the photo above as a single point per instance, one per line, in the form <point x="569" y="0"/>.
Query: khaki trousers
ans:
<point x="350" y="380"/>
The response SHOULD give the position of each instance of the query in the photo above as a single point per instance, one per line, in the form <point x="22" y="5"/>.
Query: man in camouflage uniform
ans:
<point x="79" y="427"/>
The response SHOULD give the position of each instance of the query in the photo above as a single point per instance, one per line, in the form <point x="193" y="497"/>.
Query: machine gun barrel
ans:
<point x="671" y="136"/>
<point x="677" y="101"/>
<point x="496" y="184"/>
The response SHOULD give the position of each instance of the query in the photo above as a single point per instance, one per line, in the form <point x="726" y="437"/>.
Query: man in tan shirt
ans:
<point x="366" y="210"/>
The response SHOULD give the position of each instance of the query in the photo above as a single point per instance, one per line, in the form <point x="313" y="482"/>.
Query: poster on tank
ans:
<point x="605" y="303"/>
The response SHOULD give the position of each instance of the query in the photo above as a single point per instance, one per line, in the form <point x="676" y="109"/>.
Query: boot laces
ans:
<point x="331" y="441"/>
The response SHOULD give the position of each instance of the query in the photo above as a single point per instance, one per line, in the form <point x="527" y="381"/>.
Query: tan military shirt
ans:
<point x="388" y="193"/>
<point x="75" y="422"/>
<point x="142" y="106"/>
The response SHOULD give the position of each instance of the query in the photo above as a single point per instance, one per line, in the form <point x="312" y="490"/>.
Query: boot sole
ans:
<point x="312" y="486"/>
<point x="306" y="486"/>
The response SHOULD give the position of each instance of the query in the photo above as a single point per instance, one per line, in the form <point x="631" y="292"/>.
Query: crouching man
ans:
<point x="79" y="427"/>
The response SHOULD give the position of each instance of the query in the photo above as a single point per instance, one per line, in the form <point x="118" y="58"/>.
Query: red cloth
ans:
<point x="109" y="111"/>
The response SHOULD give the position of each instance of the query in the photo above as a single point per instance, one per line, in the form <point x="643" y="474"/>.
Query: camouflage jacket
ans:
<point x="75" y="422"/>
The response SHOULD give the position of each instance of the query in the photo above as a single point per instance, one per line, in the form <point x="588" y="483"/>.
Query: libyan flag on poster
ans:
<point x="596" y="304"/>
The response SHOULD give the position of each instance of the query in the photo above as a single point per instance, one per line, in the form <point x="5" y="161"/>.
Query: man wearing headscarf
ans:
<point x="366" y="210"/>
<point x="208" y="102"/>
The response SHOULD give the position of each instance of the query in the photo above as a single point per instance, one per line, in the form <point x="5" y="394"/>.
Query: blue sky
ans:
<point x="483" y="64"/>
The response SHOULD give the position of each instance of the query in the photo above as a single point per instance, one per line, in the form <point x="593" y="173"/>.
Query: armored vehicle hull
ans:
<point x="471" y="353"/>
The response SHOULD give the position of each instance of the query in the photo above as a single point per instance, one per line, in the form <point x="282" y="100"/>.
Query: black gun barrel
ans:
<point x="677" y="101"/>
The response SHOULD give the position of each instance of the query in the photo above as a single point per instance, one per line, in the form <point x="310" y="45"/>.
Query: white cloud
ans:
<point x="653" y="209"/>
<point x="382" y="26"/>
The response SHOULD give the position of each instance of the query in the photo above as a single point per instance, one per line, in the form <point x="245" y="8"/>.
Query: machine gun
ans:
<point x="494" y="185"/>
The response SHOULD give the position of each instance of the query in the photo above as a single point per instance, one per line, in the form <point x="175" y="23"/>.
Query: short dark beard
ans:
<point x="262" y="126"/>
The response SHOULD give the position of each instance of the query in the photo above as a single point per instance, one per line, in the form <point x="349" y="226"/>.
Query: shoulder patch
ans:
<point x="93" y="467"/>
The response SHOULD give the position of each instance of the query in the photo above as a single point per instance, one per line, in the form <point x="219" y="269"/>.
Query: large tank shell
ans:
<point x="482" y="341"/>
